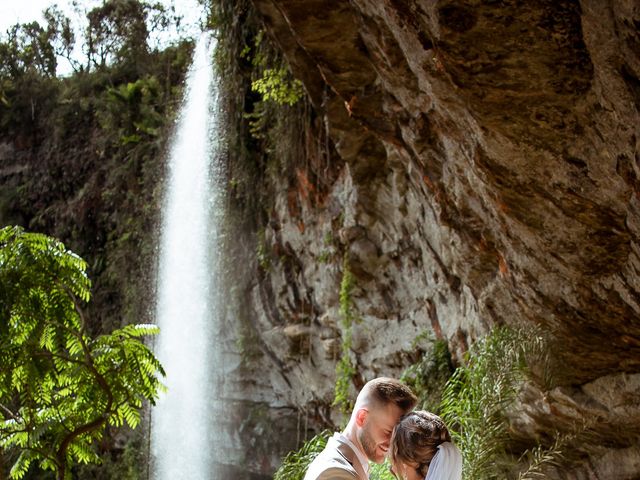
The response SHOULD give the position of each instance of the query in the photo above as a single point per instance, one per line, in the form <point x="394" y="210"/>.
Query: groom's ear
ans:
<point x="361" y="416"/>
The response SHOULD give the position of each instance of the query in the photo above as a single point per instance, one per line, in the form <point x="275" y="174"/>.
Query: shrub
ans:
<point x="429" y="375"/>
<point x="295" y="464"/>
<point x="477" y="399"/>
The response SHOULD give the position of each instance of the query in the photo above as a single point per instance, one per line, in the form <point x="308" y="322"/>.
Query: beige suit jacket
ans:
<point x="336" y="462"/>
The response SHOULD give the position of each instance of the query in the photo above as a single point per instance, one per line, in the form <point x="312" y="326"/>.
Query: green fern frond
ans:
<point x="477" y="396"/>
<point x="22" y="464"/>
<point x="61" y="380"/>
<point x="295" y="464"/>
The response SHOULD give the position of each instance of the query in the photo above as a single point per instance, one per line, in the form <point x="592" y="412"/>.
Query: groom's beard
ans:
<point x="368" y="444"/>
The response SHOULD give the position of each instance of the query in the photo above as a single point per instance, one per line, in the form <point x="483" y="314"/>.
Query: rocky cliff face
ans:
<point x="483" y="162"/>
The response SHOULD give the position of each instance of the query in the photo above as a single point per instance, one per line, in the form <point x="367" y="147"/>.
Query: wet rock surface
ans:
<point x="491" y="157"/>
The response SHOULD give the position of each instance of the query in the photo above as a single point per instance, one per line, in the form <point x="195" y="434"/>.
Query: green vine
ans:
<point x="276" y="83"/>
<point x="262" y="251"/>
<point x="345" y="369"/>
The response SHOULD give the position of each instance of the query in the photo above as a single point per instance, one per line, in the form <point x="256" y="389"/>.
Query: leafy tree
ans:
<point x="62" y="36"/>
<point x="28" y="49"/>
<point x="119" y="31"/>
<point x="59" y="387"/>
<point x="28" y="63"/>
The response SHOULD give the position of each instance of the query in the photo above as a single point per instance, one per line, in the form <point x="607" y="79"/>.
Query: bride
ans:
<point x="421" y="448"/>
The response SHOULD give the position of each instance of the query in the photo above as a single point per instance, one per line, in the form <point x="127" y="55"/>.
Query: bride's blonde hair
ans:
<point x="416" y="437"/>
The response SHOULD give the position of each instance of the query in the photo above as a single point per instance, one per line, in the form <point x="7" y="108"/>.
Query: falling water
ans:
<point x="183" y="444"/>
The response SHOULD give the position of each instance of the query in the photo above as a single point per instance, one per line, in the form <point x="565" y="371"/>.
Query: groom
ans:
<point x="378" y="408"/>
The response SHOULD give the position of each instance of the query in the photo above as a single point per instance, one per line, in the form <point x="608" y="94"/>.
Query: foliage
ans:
<point x="272" y="79"/>
<point x="262" y="251"/>
<point x="269" y="141"/>
<point x="294" y="465"/>
<point x="128" y="462"/>
<point x="60" y="387"/>
<point x="119" y="30"/>
<point x="540" y="457"/>
<point x="27" y="50"/>
<point x="90" y="148"/>
<point x="131" y="110"/>
<point x="277" y="84"/>
<point x="27" y="68"/>
<point x="430" y="374"/>
<point x="380" y="471"/>
<point x="97" y="139"/>
<point x="275" y="81"/>
<point x="345" y="369"/>
<point x="477" y="397"/>
<point x="62" y="37"/>
<point x="116" y="45"/>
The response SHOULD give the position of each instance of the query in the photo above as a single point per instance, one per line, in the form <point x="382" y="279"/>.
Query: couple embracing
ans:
<point x="382" y="424"/>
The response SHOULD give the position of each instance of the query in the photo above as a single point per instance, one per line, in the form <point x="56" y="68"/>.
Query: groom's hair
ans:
<point x="383" y="391"/>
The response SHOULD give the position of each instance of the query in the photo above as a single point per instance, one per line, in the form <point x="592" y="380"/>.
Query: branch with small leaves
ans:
<point x="59" y="387"/>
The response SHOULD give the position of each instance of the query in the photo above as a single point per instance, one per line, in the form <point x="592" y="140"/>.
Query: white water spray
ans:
<point x="183" y="440"/>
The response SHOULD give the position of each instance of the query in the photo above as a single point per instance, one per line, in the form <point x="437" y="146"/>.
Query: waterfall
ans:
<point x="184" y="442"/>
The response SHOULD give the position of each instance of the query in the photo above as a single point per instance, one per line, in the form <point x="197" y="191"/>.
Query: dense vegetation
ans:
<point x="60" y="387"/>
<point x="81" y="158"/>
<point x="82" y="155"/>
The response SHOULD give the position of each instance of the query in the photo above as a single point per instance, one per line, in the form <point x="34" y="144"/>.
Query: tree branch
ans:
<point x="9" y="412"/>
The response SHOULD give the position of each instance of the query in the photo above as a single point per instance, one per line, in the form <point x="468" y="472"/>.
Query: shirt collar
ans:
<point x="361" y="457"/>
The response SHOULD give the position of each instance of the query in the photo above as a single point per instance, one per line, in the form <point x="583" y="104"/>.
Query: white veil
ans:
<point x="446" y="463"/>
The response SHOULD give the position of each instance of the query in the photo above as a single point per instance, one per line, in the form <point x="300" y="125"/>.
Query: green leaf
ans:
<point x="22" y="464"/>
<point x="60" y="379"/>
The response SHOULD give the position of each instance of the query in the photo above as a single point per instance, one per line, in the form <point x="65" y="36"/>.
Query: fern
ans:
<point x="478" y="395"/>
<point x="60" y="387"/>
<point x="277" y="85"/>
<point x="295" y="464"/>
<point x="541" y="457"/>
